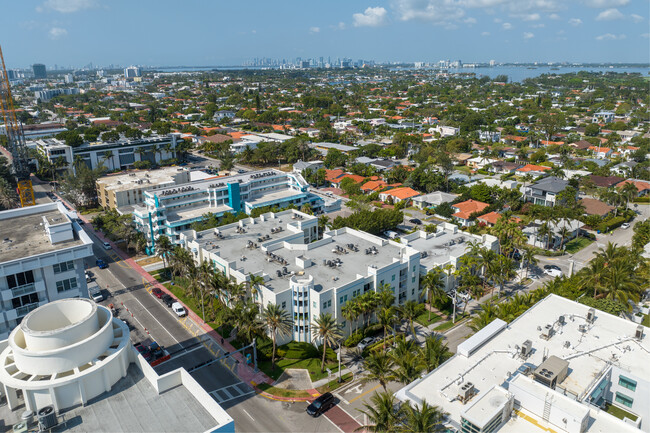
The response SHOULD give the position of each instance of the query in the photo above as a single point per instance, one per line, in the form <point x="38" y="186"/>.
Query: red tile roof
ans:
<point x="466" y="208"/>
<point x="532" y="167"/>
<point x="402" y="193"/>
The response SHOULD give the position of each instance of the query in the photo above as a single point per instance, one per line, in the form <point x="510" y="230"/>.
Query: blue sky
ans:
<point x="218" y="32"/>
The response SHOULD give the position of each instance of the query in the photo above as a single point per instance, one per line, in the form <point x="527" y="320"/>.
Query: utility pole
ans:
<point x="340" y="355"/>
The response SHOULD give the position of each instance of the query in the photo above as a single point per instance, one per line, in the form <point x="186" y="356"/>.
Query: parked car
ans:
<point x="106" y="245"/>
<point x="168" y="300"/>
<point x="157" y="292"/>
<point x="101" y="264"/>
<point x="89" y="276"/>
<point x="625" y="225"/>
<point x="179" y="309"/>
<point x="415" y="221"/>
<point x="365" y="343"/>
<point x="552" y="270"/>
<point x="95" y="293"/>
<point x="321" y="404"/>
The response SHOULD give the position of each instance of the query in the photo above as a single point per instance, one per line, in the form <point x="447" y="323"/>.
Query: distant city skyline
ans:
<point x="200" y="32"/>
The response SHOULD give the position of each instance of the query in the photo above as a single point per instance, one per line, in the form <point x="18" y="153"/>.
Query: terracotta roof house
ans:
<point x="596" y="207"/>
<point x="641" y="185"/>
<point x="373" y="186"/>
<point x="605" y="181"/>
<point x="216" y="138"/>
<point x="398" y="194"/>
<point x="467" y="208"/>
<point x="332" y="175"/>
<point x="354" y="177"/>
<point x="491" y="218"/>
<point x="531" y="168"/>
<point x="581" y="145"/>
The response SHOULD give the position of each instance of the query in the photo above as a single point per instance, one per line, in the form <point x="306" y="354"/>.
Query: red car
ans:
<point x="157" y="292"/>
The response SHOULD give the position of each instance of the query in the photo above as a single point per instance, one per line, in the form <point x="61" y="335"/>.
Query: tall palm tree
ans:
<point x="432" y="287"/>
<point x="323" y="224"/>
<point x="106" y="156"/>
<point x="254" y="283"/>
<point x="387" y="318"/>
<point x="379" y="367"/>
<point x="382" y="412"/>
<point x="155" y="150"/>
<point x="140" y="151"/>
<point x="325" y="329"/>
<point x="434" y="352"/>
<point x="422" y="418"/>
<point x="621" y="283"/>
<point x="564" y="233"/>
<point x="487" y="313"/>
<point x="8" y="196"/>
<point x="277" y="321"/>
<point x="349" y="313"/>
<point x="529" y="258"/>
<point x="164" y="247"/>
<point x="409" y="312"/>
<point x="167" y="148"/>
<point x="629" y="191"/>
<point x="409" y="366"/>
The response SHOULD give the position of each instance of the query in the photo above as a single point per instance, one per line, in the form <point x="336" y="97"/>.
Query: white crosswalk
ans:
<point x="231" y="392"/>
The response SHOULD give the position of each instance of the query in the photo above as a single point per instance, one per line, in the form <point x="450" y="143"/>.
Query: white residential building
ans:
<point x="42" y="254"/>
<point x="444" y="131"/>
<point x="559" y="367"/>
<point x="171" y="210"/>
<point x="303" y="275"/>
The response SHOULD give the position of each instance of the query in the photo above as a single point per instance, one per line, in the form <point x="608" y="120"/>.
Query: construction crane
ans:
<point x="16" y="140"/>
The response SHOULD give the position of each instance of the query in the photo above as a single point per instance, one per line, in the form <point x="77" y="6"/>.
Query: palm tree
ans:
<point x="621" y="283"/>
<point x="434" y="352"/>
<point x="323" y="224"/>
<point x="529" y="258"/>
<point x="433" y="287"/>
<point x="164" y="248"/>
<point x="629" y="191"/>
<point x="155" y="150"/>
<point x="254" y="283"/>
<point x="424" y="418"/>
<point x="140" y="151"/>
<point x="379" y="367"/>
<point x="409" y="366"/>
<point x="564" y="232"/>
<point x="8" y="196"/>
<point x="349" y="313"/>
<point x="487" y="314"/>
<point x="386" y="318"/>
<point x="167" y="148"/>
<point x="503" y="271"/>
<point x="325" y="329"/>
<point x="544" y="233"/>
<point x="277" y="321"/>
<point x="409" y="312"/>
<point x="383" y="413"/>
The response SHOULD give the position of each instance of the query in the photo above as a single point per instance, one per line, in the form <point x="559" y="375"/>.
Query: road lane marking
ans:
<point x="249" y="415"/>
<point x="157" y="321"/>
<point x="365" y="393"/>
<point x="185" y="352"/>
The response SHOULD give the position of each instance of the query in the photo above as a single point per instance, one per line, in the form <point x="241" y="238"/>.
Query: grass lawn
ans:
<point x="189" y="302"/>
<point x="447" y="325"/>
<point x="310" y="364"/>
<point x="575" y="245"/>
<point x="646" y="320"/>
<point x="620" y="413"/>
<point x="423" y="319"/>
<point x="281" y="392"/>
<point x="160" y="274"/>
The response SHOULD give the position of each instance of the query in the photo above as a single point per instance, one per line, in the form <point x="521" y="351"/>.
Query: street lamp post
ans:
<point x="340" y="353"/>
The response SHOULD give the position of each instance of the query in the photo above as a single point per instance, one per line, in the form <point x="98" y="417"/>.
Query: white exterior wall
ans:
<point x="641" y="395"/>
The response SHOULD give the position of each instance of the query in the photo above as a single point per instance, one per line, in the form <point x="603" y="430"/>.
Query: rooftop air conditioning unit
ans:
<point x="582" y="328"/>
<point x="591" y="315"/>
<point x="547" y="331"/>
<point x="526" y="348"/>
<point x="639" y="332"/>
<point x="47" y="418"/>
<point x="466" y="391"/>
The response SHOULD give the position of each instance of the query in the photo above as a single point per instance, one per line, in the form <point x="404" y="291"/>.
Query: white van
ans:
<point x="178" y="309"/>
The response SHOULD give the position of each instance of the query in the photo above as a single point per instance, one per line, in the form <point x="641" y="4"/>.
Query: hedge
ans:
<point x="642" y="200"/>
<point x="610" y="223"/>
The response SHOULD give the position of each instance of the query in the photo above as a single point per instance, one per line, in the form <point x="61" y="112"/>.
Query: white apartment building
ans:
<point x="125" y="190"/>
<point x="41" y="260"/>
<point x="303" y="275"/>
<point x="561" y="366"/>
<point x="170" y="211"/>
<point x="119" y="155"/>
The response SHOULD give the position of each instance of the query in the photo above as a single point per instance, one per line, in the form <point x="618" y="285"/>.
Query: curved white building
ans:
<point x="64" y="354"/>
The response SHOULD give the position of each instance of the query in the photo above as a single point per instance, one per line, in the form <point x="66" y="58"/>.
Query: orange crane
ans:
<point x="16" y="140"/>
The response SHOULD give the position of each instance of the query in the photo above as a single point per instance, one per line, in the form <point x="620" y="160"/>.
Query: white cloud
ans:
<point x="497" y="20"/>
<point x="371" y="17"/>
<point x="435" y="11"/>
<point x="314" y="29"/>
<point x="645" y="35"/>
<point x="67" y="6"/>
<point x="538" y="26"/>
<point x="528" y="35"/>
<point x="554" y="16"/>
<point x="469" y="20"/>
<point x="610" y="37"/>
<point x="506" y="26"/>
<point x="636" y="18"/>
<point x="341" y="26"/>
<point x="57" y="32"/>
<point x="485" y="34"/>
<point x="530" y="17"/>
<point x="575" y="22"/>
<point x="605" y="3"/>
<point x="609" y="15"/>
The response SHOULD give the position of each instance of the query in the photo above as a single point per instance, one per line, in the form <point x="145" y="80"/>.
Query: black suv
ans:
<point x="321" y="404"/>
<point x="168" y="300"/>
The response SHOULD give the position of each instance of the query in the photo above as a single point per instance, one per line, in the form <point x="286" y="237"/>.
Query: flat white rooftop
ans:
<point x="609" y="340"/>
<point x="141" y="179"/>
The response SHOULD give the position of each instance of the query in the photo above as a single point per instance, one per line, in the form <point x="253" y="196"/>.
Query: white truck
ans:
<point x="94" y="292"/>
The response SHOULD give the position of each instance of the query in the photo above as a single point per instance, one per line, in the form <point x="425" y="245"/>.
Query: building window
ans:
<point x="284" y="305"/>
<point x="381" y="283"/>
<point x="63" y="266"/>
<point x="341" y="300"/>
<point x="24" y="300"/>
<point x="393" y="278"/>
<point x="345" y="298"/>
<point x="627" y="383"/>
<point x="20" y="279"/>
<point x="65" y="285"/>
<point x="324" y="305"/>
<point x="413" y="280"/>
<point x="315" y="304"/>
<point x="329" y="303"/>
<point x="624" y="399"/>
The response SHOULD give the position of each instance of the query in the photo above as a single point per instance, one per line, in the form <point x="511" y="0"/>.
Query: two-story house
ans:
<point x="544" y="192"/>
